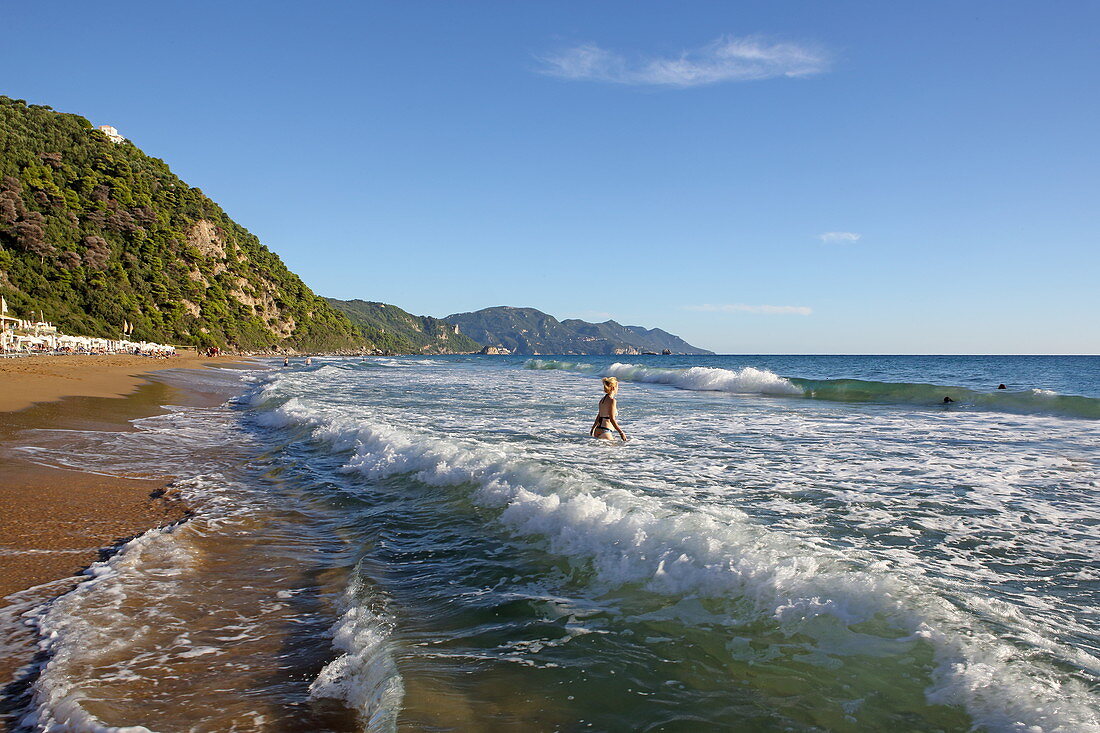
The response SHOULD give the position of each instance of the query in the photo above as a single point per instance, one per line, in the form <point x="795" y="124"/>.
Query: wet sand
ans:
<point x="55" y="522"/>
<point x="25" y="380"/>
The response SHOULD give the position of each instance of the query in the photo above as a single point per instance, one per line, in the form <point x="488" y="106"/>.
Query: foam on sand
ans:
<point x="69" y="637"/>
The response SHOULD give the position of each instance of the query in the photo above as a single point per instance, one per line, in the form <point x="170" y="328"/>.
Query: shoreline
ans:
<point x="31" y="380"/>
<point x="56" y="521"/>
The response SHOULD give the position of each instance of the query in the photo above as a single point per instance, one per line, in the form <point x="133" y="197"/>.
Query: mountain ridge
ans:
<point x="525" y="330"/>
<point x="393" y="329"/>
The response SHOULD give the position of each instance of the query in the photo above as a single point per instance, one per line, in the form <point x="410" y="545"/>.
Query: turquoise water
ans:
<point x="786" y="543"/>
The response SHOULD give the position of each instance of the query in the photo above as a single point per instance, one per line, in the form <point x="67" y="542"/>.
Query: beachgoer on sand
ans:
<point x="607" y="413"/>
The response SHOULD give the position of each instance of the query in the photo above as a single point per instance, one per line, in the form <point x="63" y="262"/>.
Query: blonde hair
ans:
<point x="610" y="384"/>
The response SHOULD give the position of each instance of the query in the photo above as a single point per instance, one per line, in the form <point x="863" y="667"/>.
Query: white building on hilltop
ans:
<point x="111" y="133"/>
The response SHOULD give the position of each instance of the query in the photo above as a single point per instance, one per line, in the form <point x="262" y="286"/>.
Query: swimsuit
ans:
<point x="603" y="422"/>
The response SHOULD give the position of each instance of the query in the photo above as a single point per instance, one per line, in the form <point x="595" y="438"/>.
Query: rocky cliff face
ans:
<point x="95" y="233"/>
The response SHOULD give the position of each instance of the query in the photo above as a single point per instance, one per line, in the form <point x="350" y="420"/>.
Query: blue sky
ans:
<point x="758" y="177"/>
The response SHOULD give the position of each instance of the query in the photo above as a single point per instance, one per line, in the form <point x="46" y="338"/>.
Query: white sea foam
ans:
<point x="133" y="616"/>
<point x="752" y="380"/>
<point x="666" y="537"/>
<point x="69" y="637"/>
<point x="747" y="380"/>
<point x="364" y="675"/>
<point x="635" y="538"/>
<point x="203" y="592"/>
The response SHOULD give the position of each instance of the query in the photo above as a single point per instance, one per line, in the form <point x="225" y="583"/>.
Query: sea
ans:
<point x="785" y="543"/>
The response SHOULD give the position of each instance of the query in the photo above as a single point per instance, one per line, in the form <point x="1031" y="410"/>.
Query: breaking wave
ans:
<point x="365" y="674"/>
<point x="68" y="636"/>
<point x="622" y="538"/>
<point x="750" y="380"/>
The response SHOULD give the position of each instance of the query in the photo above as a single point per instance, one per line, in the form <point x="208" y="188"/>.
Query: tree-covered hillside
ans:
<point x="520" y="330"/>
<point x="530" y="331"/>
<point x="95" y="233"/>
<point x="392" y="329"/>
<point x="645" y="339"/>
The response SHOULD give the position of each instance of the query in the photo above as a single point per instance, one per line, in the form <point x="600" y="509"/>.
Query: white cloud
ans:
<point x="767" y="310"/>
<point x="726" y="59"/>
<point x="838" y="237"/>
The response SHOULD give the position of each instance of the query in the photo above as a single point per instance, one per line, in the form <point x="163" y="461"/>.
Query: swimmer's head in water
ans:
<point x="610" y="384"/>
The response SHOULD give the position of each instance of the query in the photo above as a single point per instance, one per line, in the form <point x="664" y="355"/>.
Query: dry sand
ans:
<point x="54" y="522"/>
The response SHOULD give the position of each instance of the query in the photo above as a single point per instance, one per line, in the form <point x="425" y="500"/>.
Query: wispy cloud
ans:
<point x="766" y="310"/>
<point x="726" y="59"/>
<point x="839" y="237"/>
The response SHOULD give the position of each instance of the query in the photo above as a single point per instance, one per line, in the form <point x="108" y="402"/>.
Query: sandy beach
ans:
<point x="27" y="380"/>
<point x="55" y="522"/>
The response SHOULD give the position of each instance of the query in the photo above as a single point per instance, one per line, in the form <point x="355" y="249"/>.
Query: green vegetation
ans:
<point x="392" y="329"/>
<point x="639" y="337"/>
<point x="94" y="233"/>
<point x="530" y="331"/>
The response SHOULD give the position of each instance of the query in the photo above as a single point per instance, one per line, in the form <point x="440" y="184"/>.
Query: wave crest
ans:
<point x="747" y="380"/>
<point x="751" y="380"/>
<point x="365" y="675"/>
<point x="626" y="537"/>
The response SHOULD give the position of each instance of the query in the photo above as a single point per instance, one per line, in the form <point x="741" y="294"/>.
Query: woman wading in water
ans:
<point x="607" y="414"/>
